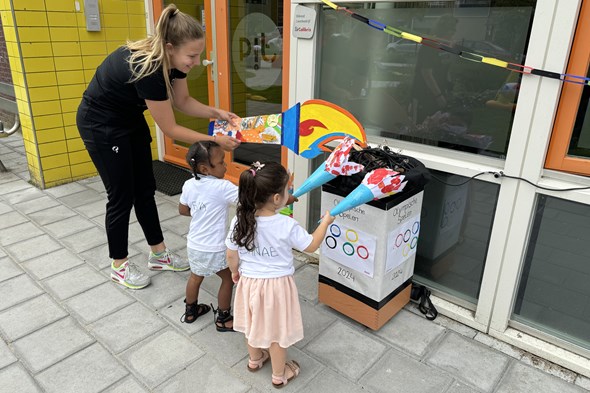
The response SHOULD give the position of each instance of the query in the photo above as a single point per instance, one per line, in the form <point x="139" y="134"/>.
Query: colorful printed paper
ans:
<point x="254" y="129"/>
<point x="350" y="247"/>
<point x="402" y="243"/>
<point x="377" y="184"/>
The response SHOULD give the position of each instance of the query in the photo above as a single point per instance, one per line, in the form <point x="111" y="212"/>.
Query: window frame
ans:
<point x="569" y="102"/>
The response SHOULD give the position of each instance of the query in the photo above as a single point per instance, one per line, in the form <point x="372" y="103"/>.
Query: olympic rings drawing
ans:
<point x="407" y="232"/>
<point x="358" y="252"/>
<point x="406" y="250"/>
<point x="332" y="230"/>
<point x="349" y="231"/>
<point x="333" y="246"/>
<point x="414" y="242"/>
<point x="406" y="239"/>
<point x="344" y="248"/>
<point x="417" y="226"/>
<point x="399" y="237"/>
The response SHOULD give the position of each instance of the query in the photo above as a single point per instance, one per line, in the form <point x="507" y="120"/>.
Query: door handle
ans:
<point x="206" y="62"/>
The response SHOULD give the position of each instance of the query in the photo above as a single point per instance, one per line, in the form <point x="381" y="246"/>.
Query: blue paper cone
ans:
<point x="358" y="196"/>
<point x="316" y="179"/>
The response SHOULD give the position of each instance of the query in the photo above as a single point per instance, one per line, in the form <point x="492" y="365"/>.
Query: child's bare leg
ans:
<point x="254" y="353"/>
<point x="192" y="288"/>
<point x="278" y="357"/>
<point x="225" y="289"/>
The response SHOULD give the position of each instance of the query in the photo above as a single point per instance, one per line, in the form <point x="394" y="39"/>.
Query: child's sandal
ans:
<point x="255" y="365"/>
<point x="278" y="381"/>
<point x="194" y="311"/>
<point x="221" y="319"/>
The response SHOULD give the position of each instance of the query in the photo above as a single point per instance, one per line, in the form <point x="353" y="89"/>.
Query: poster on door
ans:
<point x="402" y="243"/>
<point x="350" y="247"/>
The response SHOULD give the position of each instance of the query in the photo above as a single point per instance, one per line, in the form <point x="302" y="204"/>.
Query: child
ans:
<point x="206" y="198"/>
<point x="260" y="258"/>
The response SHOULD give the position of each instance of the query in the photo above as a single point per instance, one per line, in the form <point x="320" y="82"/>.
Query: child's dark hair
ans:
<point x="257" y="185"/>
<point x="199" y="153"/>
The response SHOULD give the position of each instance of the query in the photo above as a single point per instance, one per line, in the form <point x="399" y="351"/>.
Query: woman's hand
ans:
<point x="227" y="116"/>
<point x="227" y="143"/>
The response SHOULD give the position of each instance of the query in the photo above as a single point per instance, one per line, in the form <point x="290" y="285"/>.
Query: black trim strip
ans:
<point x="362" y="298"/>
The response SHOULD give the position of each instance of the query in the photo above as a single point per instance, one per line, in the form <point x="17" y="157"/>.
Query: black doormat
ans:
<point x="170" y="178"/>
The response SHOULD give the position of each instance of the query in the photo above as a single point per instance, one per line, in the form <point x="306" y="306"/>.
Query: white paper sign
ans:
<point x="350" y="247"/>
<point x="402" y="243"/>
<point x="304" y="22"/>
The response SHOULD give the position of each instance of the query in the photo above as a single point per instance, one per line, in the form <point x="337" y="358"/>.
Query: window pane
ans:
<point x="455" y="230"/>
<point x="580" y="142"/>
<point x="399" y="89"/>
<point x="553" y="294"/>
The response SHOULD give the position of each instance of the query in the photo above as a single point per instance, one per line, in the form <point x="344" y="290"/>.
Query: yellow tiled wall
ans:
<point x="52" y="59"/>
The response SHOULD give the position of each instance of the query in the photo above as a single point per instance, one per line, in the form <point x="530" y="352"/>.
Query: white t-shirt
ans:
<point x="272" y="257"/>
<point x="209" y="199"/>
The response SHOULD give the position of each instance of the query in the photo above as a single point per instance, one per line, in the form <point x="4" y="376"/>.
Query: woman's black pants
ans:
<point x="123" y="158"/>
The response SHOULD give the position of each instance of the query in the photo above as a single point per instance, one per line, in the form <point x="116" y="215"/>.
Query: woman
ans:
<point x="147" y="74"/>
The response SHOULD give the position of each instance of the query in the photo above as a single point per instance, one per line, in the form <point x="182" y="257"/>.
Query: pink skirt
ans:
<point x="267" y="310"/>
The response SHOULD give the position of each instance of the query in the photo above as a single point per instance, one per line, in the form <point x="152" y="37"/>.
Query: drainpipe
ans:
<point x="4" y="133"/>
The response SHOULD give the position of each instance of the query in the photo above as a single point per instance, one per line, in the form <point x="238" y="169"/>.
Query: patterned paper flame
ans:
<point x="338" y="164"/>
<point x="384" y="182"/>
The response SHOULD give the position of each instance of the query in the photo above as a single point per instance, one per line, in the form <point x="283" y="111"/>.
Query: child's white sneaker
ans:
<point x="129" y="276"/>
<point x="167" y="261"/>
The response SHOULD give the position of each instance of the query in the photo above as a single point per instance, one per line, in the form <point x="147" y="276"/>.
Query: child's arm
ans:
<point x="184" y="210"/>
<point x="320" y="232"/>
<point x="233" y="261"/>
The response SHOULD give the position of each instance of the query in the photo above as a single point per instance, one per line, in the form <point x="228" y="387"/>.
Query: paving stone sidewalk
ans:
<point x="65" y="327"/>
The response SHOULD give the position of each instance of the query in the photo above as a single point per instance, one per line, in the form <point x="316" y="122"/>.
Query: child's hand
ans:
<point x="292" y="199"/>
<point x="235" y="277"/>
<point x="327" y="219"/>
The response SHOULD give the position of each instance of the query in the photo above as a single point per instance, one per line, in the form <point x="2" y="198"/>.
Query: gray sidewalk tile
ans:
<point x="97" y="302"/>
<point x="583" y="382"/>
<point x="548" y="367"/>
<point x="127" y="327"/>
<point x="63" y="228"/>
<point x="211" y="284"/>
<point x="411" y="333"/>
<point x="99" y="256"/>
<point x="337" y="342"/>
<point x="398" y="373"/>
<point x="6" y="356"/>
<point x="15" y="379"/>
<point x="458" y="387"/>
<point x="85" y="240"/>
<point x="329" y="381"/>
<point x="314" y="322"/>
<point x="52" y="214"/>
<point x="13" y="186"/>
<point x="97" y="185"/>
<point x="24" y="195"/>
<point x="8" y="177"/>
<point x="53" y="263"/>
<point x="34" y="205"/>
<point x="73" y="282"/>
<point x="2" y="253"/>
<point x="51" y="344"/>
<point x="472" y="362"/>
<point x="16" y="290"/>
<point x="11" y="219"/>
<point x="499" y="345"/>
<point x="93" y="209"/>
<point x="205" y="375"/>
<point x="226" y="347"/>
<point x="82" y="198"/>
<point x="167" y="210"/>
<point x="177" y="224"/>
<point x="34" y="247"/>
<point x="19" y="233"/>
<point x="8" y="269"/>
<point x="521" y="378"/>
<point x="306" y="280"/>
<point x="90" y="370"/>
<point x="174" y="242"/>
<point x="445" y="322"/>
<point x="127" y="385"/>
<point x="4" y="208"/>
<point x="156" y="360"/>
<point x="165" y="288"/>
<point x="261" y="380"/>
<point x="136" y="233"/>
<point x="29" y="316"/>
<point x="176" y="309"/>
<point x="65" y="189"/>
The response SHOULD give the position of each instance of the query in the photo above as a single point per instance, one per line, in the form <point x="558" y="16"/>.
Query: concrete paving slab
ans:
<point x="306" y="279"/>
<point x="398" y="373"/>
<point x="226" y="347"/>
<point x="93" y="209"/>
<point x="97" y="186"/>
<point x="11" y="219"/>
<point x="8" y="269"/>
<point x="65" y="189"/>
<point x="177" y="224"/>
<point x="548" y="367"/>
<point x="173" y="311"/>
<point x="73" y="282"/>
<point x="314" y="322"/>
<point x="126" y="327"/>
<point x="90" y="371"/>
<point x="29" y="316"/>
<point x="411" y="333"/>
<point x="127" y="385"/>
<point x="499" y="345"/>
<point x="334" y="346"/>
<point x="205" y="375"/>
<point x="8" y="177"/>
<point x="95" y="303"/>
<point x="53" y="263"/>
<point x="155" y="360"/>
<point x="458" y="387"/>
<point x="14" y="186"/>
<point x="19" y="233"/>
<point x="49" y="345"/>
<point x="35" y="205"/>
<point x="2" y="253"/>
<point x="33" y="247"/>
<point x="17" y="290"/>
<point x="23" y="195"/>
<point x="329" y="381"/>
<point x="471" y="361"/>
<point x="167" y="210"/>
<point x="521" y="378"/>
<point x="85" y="240"/>
<point x="583" y="382"/>
<point x="4" y="208"/>
<point x="68" y="226"/>
<point x="53" y="214"/>
<point x="16" y="379"/>
<point x="99" y="256"/>
<point x="82" y="198"/>
<point x="6" y="356"/>
<point x="173" y="241"/>
<point x="165" y="288"/>
<point x="136" y="233"/>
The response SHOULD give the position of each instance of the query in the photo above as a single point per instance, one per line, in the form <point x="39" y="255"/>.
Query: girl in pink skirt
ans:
<point x="260" y="257"/>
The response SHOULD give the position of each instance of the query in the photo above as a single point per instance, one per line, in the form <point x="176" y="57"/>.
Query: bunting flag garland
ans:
<point x="523" y="69"/>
